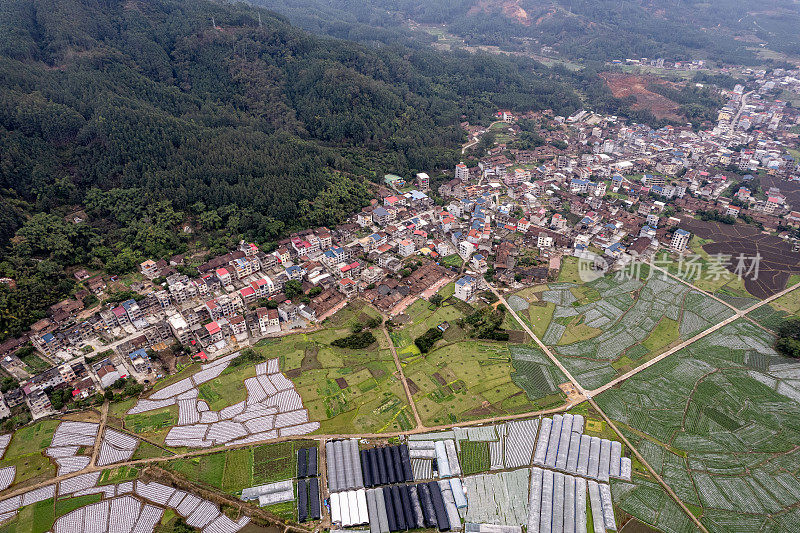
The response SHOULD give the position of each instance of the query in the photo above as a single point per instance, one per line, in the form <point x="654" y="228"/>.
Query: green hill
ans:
<point x="154" y="117"/>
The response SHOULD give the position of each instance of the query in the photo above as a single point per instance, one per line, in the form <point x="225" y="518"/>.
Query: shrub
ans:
<point x="426" y="341"/>
<point x="355" y="341"/>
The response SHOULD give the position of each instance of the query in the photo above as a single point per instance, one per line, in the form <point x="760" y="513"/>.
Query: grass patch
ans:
<point x="664" y="334"/>
<point x="540" y="318"/>
<point x="34" y="518"/>
<point x="35" y="363"/>
<point x="205" y="469"/>
<point x="238" y="472"/>
<point x="153" y="425"/>
<point x="145" y="450"/>
<point x="569" y="271"/>
<point x="453" y="260"/>
<point x="118" y="475"/>
<point x="31" y="439"/>
<point x="228" y="388"/>
<point x="68" y="505"/>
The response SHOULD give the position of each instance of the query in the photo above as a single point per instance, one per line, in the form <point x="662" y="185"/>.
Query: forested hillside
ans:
<point x="156" y="117"/>
<point x="723" y="30"/>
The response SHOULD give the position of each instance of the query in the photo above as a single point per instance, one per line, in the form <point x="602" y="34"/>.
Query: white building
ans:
<point x="465" y="287"/>
<point x="406" y="247"/>
<point x="465" y="249"/>
<point x="462" y="172"/>
<point x="680" y="239"/>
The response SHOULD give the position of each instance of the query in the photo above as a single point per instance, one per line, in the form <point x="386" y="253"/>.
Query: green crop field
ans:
<point x="153" y="425"/>
<point x="66" y="505"/>
<point x="720" y="421"/>
<point x="118" y="475"/>
<point x="238" y="472"/>
<point x="234" y="470"/>
<point x="205" y="469"/>
<point x="474" y="457"/>
<point x="228" y="388"/>
<point x="25" y="453"/>
<point x="35" y="518"/>
<point x="472" y="380"/>
<point x="608" y="326"/>
<point x="367" y="395"/>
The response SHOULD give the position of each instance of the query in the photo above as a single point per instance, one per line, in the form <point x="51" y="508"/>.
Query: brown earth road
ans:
<point x="376" y="436"/>
<point x="403" y="379"/>
<point x="587" y="395"/>
<point x="99" y="438"/>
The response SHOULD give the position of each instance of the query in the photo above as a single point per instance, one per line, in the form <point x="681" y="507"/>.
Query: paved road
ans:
<point x="477" y="138"/>
<point x="742" y="103"/>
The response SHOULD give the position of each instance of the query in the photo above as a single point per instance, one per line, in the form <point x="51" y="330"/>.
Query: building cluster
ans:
<point x="596" y="186"/>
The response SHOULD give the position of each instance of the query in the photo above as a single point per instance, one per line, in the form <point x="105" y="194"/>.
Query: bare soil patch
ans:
<point x="630" y="85"/>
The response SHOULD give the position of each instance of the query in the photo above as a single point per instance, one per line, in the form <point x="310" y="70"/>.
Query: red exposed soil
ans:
<point x="624" y="85"/>
<point x="509" y="8"/>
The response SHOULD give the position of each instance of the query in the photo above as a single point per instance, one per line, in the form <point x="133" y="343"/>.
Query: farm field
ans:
<point x="25" y="452"/>
<point x="708" y="273"/>
<point x="772" y="314"/>
<point x="777" y="262"/>
<point x="34" y="518"/>
<point x="605" y="327"/>
<point x="152" y="425"/>
<point x="720" y="421"/>
<point x="341" y="388"/>
<point x="470" y="380"/>
<point x="234" y="470"/>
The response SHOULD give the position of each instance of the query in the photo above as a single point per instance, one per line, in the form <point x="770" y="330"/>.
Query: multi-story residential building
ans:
<point x="214" y="332"/>
<point x="245" y="266"/>
<point x="543" y="240"/>
<point x="462" y="173"/>
<point x="284" y="255"/>
<point x="149" y="269"/>
<point x="237" y="325"/>
<point x="223" y="276"/>
<point x="465" y="288"/>
<point x="247" y="295"/>
<point x="465" y="249"/>
<point x="268" y="320"/>
<point x="134" y="312"/>
<point x="263" y="287"/>
<point x="680" y="239"/>
<point x="406" y="247"/>
<point x="423" y="181"/>
<point x="163" y="299"/>
<point x="250" y="249"/>
<point x="180" y="328"/>
<point x="382" y="216"/>
<point x="347" y="286"/>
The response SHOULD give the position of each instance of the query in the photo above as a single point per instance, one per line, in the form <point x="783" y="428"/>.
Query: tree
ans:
<point x="436" y="299"/>
<point x="293" y="289"/>
<point x="788" y="342"/>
